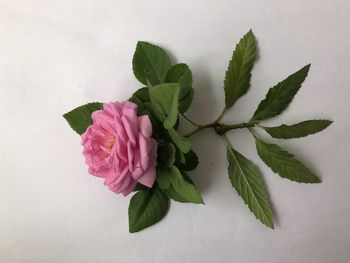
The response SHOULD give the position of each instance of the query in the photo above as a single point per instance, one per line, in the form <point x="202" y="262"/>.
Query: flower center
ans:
<point x="110" y="142"/>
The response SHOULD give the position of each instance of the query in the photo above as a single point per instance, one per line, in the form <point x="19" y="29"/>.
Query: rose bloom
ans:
<point x="118" y="147"/>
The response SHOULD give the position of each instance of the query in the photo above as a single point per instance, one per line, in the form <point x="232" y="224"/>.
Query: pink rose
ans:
<point x="118" y="147"/>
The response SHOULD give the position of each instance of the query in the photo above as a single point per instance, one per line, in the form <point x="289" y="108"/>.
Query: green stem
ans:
<point x="220" y="128"/>
<point x="199" y="128"/>
<point x="220" y="116"/>
<point x="223" y="128"/>
<point x="260" y="126"/>
<point x="252" y="132"/>
<point x="190" y="121"/>
<point x="226" y="140"/>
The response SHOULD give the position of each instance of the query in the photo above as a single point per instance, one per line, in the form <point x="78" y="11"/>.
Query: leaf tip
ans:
<point x="65" y="115"/>
<point x="307" y="67"/>
<point x="251" y="32"/>
<point x="140" y="42"/>
<point x="133" y="230"/>
<point x="329" y="122"/>
<point x="317" y="180"/>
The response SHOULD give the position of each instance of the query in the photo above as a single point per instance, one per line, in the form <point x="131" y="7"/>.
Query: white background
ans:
<point x="56" y="55"/>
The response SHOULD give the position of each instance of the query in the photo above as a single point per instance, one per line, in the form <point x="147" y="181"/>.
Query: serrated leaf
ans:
<point x="157" y="126"/>
<point x="140" y="187"/>
<point x="249" y="184"/>
<point x="179" y="156"/>
<point x="279" y="96"/>
<point x="185" y="103"/>
<point x="183" y="143"/>
<point x="298" y="130"/>
<point x="183" y="188"/>
<point x="166" y="154"/>
<point x="284" y="163"/>
<point x="180" y="73"/>
<point x="147" y="208"/>
<point x="140" y="97"/>
<point x="174" y="195"/>
<point x="190" y="163"/>
<point x="238" y="74"/>
<point x="142" y="94"/>
<point x="163" y="177"/>
<point x="150" y="63"/>
<point x="80" y="118"/>
<point x="165" y="101"/>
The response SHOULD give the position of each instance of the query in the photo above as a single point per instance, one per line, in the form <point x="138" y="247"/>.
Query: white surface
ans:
<point x="56" y="55"/>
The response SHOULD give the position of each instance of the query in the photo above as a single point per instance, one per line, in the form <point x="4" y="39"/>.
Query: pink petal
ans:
<point x="104" y="120"/>
<point x="120" y="130"/>
<point x="129" y="130"/>
<point x="145" y="126"/>
<point x="117" y="177"/>
<point x="85" y="135"/>
<point x="111" y="108"/>
<point x="121" y="150"/>
<point x="145" y="148"/>
<point x="130" y="188"/>
<point x="124" y="184"/>
<point x="130" y="157"/>
<point x="149" y="176"/>
<point x="138" y="171"/>
<point x="130" y="113"/>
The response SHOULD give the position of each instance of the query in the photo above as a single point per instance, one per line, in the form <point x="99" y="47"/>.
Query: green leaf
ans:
<point x="180" y="73"/>
<point x="166" y="154"/>
<point x="179" y="156"/>
<point x="249" y="184"/>
<point x="238" y="74"/>
<point x="140" y="187"/>
<point x="140" y="97"/>
<point x="284" y="163"/>
<point x="171" y="193"/>
<point x="174" y="195"/>
<point x="142" y="94"/>
<point x="186" y="102"/>
<point x="150" y="63"/>
<point x="158" y="130"/>
<point x="163" y="177"/>
<point x="298" y="130"/>
<point x="190" y="163"/>
<point x="183" y="143"/>
<point x="80" y="118"/>
<point x="279" y="96"/>
<point x="183" y="188"/>
<point x="147" y="208"/>
<point x="165" y="99"/>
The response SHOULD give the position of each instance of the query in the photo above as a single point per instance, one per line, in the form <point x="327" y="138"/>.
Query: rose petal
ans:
<point x="145" y="147"/>
<point x="149" y="176"/>
<point x="117" y="177"/>
<point x="110" y="108"/>
<point x="130" y="188"/>
<point x="130" y="157"/>
<point x="138" y="171"/>
<point x="130" y="113"/>
<point x="129" y="130"/>
<point x="103" y="119"/>
<point x="145" y="126"/>
<point x="124" y="184"/>
<point x="121" y="150"/>
<point x="121" y="133"/>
